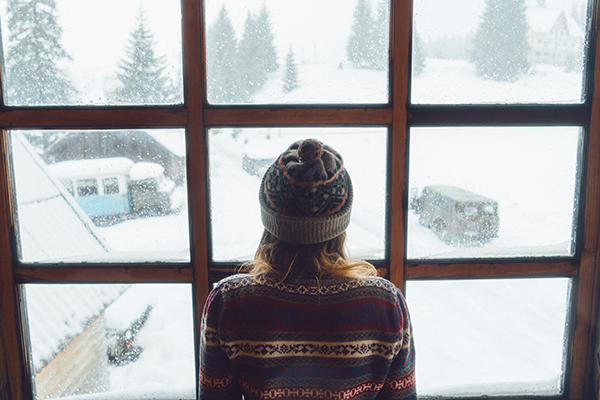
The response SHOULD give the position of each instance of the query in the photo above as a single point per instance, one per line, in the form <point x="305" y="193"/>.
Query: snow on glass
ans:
<point x="527" y="180"/>
<point x="101" y="196"/>
<point x="239" y="158"/>
<point x="499" y="51"/>
<point x="497" y="337"/>
<point x="71" y="52"/>
<point x="92" y="57"/>
<point x="92" y="341"/>
<point x="263" y="52"/>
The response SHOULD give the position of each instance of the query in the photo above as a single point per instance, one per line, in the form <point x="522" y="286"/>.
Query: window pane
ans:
<point x="498" y="51"/>
<point x="121" y="52"/>
<point x="497" y="337"/>
<point x="309" y="51"/>
<point x="101" y="196"/>
<point x="119" y="341"/>
<point x="239" y="157"/>
<point x="493" y="192"/>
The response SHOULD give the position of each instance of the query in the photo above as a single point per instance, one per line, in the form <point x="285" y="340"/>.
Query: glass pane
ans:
<point x="120" y="341"/>
<point x="493" y="192"/>
<point x="238" y="159"/>
<point x="101" y="196"/>
<point x="122" y="52"/>
<point x="498" y="337"/>
<point x="499" y="51"/>
<point x="265" y="52"/>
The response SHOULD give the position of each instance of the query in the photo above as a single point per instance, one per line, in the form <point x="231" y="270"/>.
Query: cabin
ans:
<point x="554" y="37"/>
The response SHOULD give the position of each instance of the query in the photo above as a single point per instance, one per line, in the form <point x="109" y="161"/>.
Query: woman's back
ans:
<point x="341" y="338"/>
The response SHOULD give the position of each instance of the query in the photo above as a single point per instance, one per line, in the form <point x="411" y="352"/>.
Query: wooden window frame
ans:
<point x="196" y="116"/>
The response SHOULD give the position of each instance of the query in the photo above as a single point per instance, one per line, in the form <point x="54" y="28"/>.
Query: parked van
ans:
<point x="111" y="187"/>
<point x="456" y="215"/>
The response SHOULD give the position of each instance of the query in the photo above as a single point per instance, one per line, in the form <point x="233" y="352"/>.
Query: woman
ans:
<point x="306" y="322"/>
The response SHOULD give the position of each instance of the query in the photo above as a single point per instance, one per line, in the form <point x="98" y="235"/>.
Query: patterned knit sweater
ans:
<point x="342" y="338"/>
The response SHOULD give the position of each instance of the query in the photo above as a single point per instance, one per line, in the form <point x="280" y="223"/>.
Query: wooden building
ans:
<point x="554" y="37"/>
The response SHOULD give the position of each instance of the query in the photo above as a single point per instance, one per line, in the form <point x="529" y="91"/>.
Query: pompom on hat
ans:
<point x="306" y="194"/>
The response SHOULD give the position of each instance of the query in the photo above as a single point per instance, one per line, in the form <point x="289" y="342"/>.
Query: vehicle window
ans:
<point x="111" y="185"/>
<point x="87" y="187"/>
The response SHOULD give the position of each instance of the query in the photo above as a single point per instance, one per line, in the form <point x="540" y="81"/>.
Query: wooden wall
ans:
<point x="82" y="367"/>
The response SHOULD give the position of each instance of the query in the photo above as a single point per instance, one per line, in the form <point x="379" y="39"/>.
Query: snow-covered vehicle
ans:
<point x="114" y="187"/>
<point x="150" y="190"/>
<point x="455" y="214"/>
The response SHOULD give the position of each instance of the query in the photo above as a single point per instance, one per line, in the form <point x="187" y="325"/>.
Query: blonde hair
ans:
<point x="282" y="260"/>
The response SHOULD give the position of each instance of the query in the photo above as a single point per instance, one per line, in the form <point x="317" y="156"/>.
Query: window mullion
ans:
<point x="12" y="358"/>
<point x="401" y="11"/>
<point x="289" y="116"/>
<point x="195" y="95"/>
<point x="105" y="273"/>
<point x="481" y="269"/>
<point x="94" y="118"/>
<point x="587" y="285"/>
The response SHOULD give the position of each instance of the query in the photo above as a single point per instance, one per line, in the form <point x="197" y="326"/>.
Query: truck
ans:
<point x="456" y="215"/>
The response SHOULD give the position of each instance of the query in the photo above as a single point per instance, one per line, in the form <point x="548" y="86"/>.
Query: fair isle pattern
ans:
<point x="215" y="383"/>
<point x="230" y="283"/>
<point x="312" y="393"/>
<point x="402" y="383"/>
<point x="295" y="349"/>
<point x="341" y="338"/>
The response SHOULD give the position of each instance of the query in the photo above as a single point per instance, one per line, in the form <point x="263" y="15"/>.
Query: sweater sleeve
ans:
<point x="400" y="382"/>
<point x="216" y="380"/>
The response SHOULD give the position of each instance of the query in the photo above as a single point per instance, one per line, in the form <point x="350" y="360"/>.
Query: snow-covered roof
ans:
<point x="145" y="170"/>
<point x="59" y="313"/>
<point x="543" y="19"/>
<point x="459" y="194"/>
<point x="91" y="167"/>
<point x="51" y="226"/>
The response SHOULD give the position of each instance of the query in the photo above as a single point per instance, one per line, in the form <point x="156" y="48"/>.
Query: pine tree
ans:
<point x="418" y="55"/>
<point x="257" y="54"/>
<point x="268" y="53"/>
<point x="290" y="80"/>
<point x="362" y="37"/>
<point x="253" y="76"/>
<point x="34" y="55"/>
<point x="500" y="45"/>
<point x="223" y="75"/>
<point x="142" y="78"/>
<point x="382" y="36"/>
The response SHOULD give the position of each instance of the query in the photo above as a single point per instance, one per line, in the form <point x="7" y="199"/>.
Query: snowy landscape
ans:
<point x="473" y="337"/>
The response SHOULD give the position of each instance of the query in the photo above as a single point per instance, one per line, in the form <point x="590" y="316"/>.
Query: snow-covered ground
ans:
<point x="166" y="364"/>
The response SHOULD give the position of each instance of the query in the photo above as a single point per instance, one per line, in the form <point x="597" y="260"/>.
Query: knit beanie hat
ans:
<point x="306" y="194"/>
